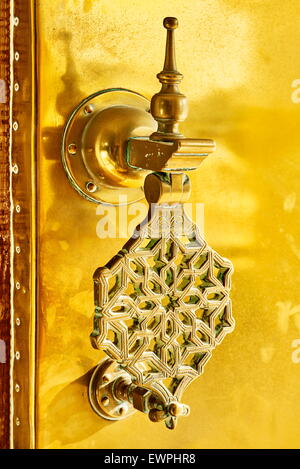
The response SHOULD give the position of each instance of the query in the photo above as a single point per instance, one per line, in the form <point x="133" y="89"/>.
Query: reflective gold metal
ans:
<point x="111" y="140"/>
<point x="178" y="155"/>
<point x="238" y="81"/>
<point x="167" y="188"/>
<point x="94" y="145"/>
<point x="114" y="396"/>
<point x="167" y="149"/>
<point x="169" y="106"/>
<point x="102" y="391"/>
<point x="161" y="305"/>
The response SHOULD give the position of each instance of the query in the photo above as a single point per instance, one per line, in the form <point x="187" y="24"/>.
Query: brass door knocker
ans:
<point x="162" y="303"/>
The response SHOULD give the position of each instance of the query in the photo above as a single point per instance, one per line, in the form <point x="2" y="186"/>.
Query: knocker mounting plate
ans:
<point x="94" y="145"/>
<point x="101" y="392"/>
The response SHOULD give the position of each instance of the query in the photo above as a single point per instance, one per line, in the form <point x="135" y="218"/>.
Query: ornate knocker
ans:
<point x="162" y="303"/>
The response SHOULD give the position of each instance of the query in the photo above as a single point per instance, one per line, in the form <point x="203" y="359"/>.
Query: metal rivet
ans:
<point x="88" y="109"/>
<point x="17" y="387"/>
<point x="17" y="56"/>
<point x="18" y="422"/>
<point x="15" y="125"/>
<point x="90" y="186"/>
<point x="105" y="379"/>
<point x="105" y="401"/>
<point x="72" y="149"/>
<point x="15" y="169"/>
<point x="17" y="355"/>
<point x="18" y="249"/>
<point x="16" y="21"/>
<point x="18" y="285"/>
<point x="18" y="208"/>
<point x="122" y="410"/>
<point x="18" y="321"/>
<point x="16" y="87"/>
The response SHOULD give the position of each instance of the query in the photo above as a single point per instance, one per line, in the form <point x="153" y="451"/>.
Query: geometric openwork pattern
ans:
<point x="162" y="303"/>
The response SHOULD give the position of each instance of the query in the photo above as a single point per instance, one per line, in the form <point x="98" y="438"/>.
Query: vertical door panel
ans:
<point x="239" y="61"/>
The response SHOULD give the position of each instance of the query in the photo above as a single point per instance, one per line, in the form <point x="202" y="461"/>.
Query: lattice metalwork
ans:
<point x="162" y="303"/>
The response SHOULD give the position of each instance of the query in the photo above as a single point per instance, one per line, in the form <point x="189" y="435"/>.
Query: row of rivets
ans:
<point x="15" y="170"/>
<point x="72" y="150"/>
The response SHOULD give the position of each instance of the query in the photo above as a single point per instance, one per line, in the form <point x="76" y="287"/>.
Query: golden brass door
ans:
<point x="241" y="67"/>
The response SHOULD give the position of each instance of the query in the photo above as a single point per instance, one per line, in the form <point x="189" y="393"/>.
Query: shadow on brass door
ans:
<point x="161" y="303"/>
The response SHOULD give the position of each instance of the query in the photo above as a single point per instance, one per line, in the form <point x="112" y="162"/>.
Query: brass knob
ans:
<point x="169" y="107"/>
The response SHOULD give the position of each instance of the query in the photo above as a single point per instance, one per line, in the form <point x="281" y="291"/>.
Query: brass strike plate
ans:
<point x="94" y="145"/>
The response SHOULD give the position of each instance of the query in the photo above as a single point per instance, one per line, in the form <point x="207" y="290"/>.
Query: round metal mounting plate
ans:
<point x="101" y="394"/>
<point x="94" y="145"/>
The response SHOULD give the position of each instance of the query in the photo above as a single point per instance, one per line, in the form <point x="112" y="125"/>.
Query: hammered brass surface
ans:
<point x="240" y="62"/>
